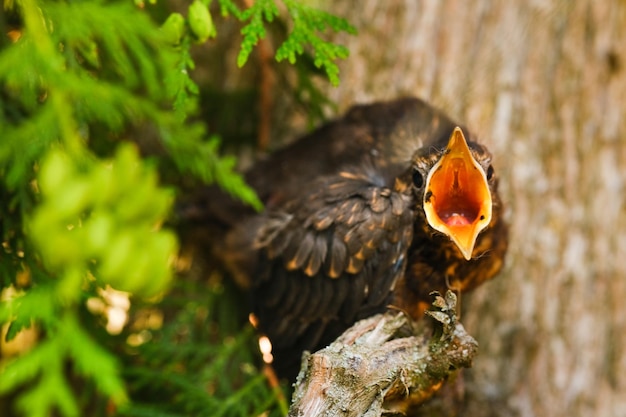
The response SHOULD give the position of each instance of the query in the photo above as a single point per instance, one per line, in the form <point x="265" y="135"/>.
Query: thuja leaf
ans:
<point x="307" y="22"/>
<point x="254" y="31"/>
<point x="51" y="391"/>
<point x="202" y="158"/>
<point x="93" y="361"/>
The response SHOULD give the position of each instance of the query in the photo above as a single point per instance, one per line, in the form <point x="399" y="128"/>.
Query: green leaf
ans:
<point x="201" y="158"/>
<point x="121" y="199"/>
<point x="129" y="49"/>
<point x="228" y="7"/>
<point x="16" y="326"/>
<point x="25" y="368"/>
<point x="35" y="305"/>
<point x="254" y="30"/>
<point x="94" y="362"/>
<point x="307" y="23"/>
<point x="52" y="391"/>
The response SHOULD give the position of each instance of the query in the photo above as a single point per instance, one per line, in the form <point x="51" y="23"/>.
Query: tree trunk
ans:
<point x="543" y="84"/>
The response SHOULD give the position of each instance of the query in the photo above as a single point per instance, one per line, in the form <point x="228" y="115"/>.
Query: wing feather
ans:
<point x="336" y="258"/>
<point x="318" y="254"/>
<point x="305" y="248"/>
<point x="332" y="258"/>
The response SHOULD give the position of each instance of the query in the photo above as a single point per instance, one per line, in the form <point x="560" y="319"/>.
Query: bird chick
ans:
<point x="375" y="209"/>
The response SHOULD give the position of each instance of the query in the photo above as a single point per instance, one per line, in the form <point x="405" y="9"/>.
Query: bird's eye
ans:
<point x="490" y="173"/>
<point x="418" y="178"/>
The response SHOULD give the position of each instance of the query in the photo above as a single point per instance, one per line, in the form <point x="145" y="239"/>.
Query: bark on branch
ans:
<point x="384" y="363"/>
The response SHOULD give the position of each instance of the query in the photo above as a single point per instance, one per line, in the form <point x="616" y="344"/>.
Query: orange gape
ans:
<point x="457" y="201"/>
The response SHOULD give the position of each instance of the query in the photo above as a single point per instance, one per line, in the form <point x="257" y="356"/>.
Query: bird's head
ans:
<point x="455" y="184"/>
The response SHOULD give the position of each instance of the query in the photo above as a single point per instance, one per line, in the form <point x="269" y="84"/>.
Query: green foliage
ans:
<point x="206" y="348"/>
<point x="99" y="128"/>
<point x="45" y="363"/>
<point x="80" y="211"/>
<point x="254" y="30"/>
<point x="307" y="23"/>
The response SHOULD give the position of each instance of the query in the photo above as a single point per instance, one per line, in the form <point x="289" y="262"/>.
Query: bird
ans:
<point x="376" y="209"/>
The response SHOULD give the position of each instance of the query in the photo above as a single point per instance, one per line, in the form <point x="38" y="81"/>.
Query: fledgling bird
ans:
<point x="376" y="209"/>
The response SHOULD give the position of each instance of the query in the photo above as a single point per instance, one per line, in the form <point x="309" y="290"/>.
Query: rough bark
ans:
<point x="544" y="85"/>
<point x="384" y="364"/>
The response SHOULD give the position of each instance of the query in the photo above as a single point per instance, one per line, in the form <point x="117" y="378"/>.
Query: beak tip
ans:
<point x="466" y="250"/>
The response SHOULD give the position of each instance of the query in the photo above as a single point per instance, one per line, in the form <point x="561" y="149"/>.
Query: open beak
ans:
<point x="457" y="201"/>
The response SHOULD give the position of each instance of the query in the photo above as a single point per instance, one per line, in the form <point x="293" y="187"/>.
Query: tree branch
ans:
<point x="384" y="363"/>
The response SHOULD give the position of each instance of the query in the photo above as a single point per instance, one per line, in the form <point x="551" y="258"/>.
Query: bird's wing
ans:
<point x="329" y="258"/>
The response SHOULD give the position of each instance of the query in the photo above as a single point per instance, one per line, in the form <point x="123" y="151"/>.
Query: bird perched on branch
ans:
<point x="375" y="209"/>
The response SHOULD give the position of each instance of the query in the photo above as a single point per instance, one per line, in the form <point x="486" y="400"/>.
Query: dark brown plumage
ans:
<point x="345" y="233"/>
